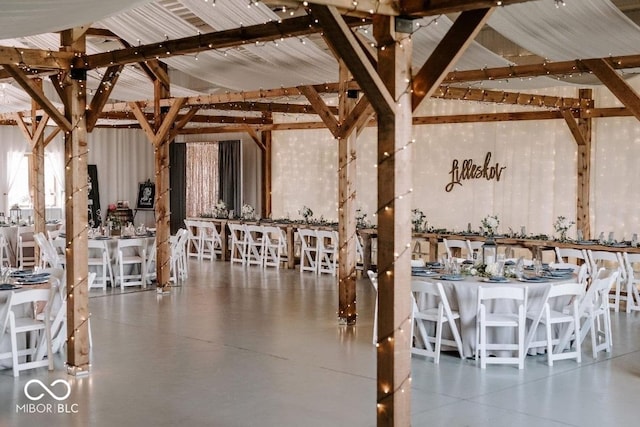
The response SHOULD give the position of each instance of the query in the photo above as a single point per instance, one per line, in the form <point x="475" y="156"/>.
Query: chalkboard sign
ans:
<point x="146" y="195"/>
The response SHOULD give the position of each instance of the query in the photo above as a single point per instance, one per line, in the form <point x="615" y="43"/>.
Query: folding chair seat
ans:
<point x="254" y="240"/>
<point x="308" y="250"/>
<point x="560" y="306"/>
<point x="132" y="255"/>
<point x="238" y="243"/>
<point x="100" y="261"/>
<point x="20" y="318"/>
<point x="194" y="246"/>
<point x="439" y="313"/>
<point x="274" y="246"/>
<point x="501" y="315"/>
<point x="611" y="261"/>
<point x="327" y="251"/>
<point x="632" y="266"/>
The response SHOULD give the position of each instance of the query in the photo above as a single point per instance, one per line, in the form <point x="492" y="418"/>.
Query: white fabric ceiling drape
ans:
<point x="27" y="17"/>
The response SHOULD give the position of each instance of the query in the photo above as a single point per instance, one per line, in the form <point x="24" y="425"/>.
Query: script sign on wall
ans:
<point x="470" y="170"/>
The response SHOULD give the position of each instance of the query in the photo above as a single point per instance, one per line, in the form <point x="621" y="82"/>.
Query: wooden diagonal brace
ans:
<point x="321" y="108"/>
<point x="99" y="100"/>
<point x="616" y="84"/>
<point x="360" y="114"/>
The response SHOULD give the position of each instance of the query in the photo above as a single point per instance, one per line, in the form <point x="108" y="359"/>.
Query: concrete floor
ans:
<point x="240" y="346"/>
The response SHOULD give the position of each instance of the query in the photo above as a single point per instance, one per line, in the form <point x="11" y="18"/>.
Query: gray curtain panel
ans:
<point x="178" y="194"/>
<point x="230" y="175"/>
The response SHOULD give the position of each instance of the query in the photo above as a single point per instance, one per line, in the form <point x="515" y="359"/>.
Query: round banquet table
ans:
<point x="463" y="298"/>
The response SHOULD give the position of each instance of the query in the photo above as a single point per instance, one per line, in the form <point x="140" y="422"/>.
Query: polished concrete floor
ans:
<point x="240" y="346"/>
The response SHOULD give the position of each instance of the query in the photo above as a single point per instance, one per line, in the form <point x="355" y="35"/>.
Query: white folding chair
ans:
<point x="274" y="246"/>
<point x="5" y="254"/>
<point x="59" y="245"/>
<point x="152" y="271"/>
<point x="238" y="243"/>
<point x="20" y="318"/>
<point x="210" y="241"/>
<point x="373" y="277"/>
<point x="254" y="239"/>
<point x="501" y="315"/>
<point x="594" y="309"/>
<point x="560" y="306"/>
<point x="327" y="251"/>
<point x="308" y="250"/>
<point x="100" y="261"/>
<point x="574" y="257"/>
<point x="194" y="246"/>
<point x="359" y="253"/>
<point x="632" y="266"/>
<point x="48" y="254"/>
<point x="465" y="249"/>
<point x="132" y="255"/>
<point x="611" y="261"/>
<point x="26" y="247"/>
<point x="438" y="314"/>
<point x="476" y="248"/>
<point x="178" y="257"/>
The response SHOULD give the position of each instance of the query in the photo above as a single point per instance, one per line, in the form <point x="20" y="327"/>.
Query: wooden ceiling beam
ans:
<point x="274" y="30"/>
<point x="440" y="7"/>
<point x="357" y="117"/>
<point x="35" y="58"/>
<point x="38" y="96"/>
<point x="616" y="84"/>
<point x="345" y="43"/>
<point x="99" y="100"/>
<point x="505" y="97"/>
<point x="321" y="108"/>
<point x="201" y="118"/>
<point x="446" y="54"/>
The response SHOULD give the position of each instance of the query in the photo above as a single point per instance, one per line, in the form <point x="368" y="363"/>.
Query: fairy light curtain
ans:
<point x="201" y="178"/>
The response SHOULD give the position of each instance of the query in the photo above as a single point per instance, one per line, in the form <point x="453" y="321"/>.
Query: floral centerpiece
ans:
<point x="220" y="210"/>
<point x="306" y="213"/>
<point x="361" y="220"/>
<point x="562" y="225"/>
<point x="247" y="212"/>
<point x="417" y="219"/>
<point x="489" y="225"/>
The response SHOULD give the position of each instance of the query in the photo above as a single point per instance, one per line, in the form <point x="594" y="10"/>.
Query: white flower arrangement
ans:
<point x="361" y="220"/>
<point x="417" y="219"/>
<point x="220" y="210"/>
<point x="306" y="213"/>
<point x="492" y="269"/>
<point x="562" y="225"/>
<point x="247" y="211"/>
<point x="489" y="225"/>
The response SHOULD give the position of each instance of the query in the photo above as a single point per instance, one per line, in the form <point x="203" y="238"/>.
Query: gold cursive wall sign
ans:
<point x="470" y="170"/>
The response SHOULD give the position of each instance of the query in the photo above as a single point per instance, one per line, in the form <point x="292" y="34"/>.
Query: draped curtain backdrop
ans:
<point x="230" y="174"/>
<point x="201" y="178"/>
<point x="178" y="184"/>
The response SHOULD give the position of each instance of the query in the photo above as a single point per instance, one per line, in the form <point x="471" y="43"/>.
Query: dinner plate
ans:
<point x="497" y="279"/>
<point x="452" y="277"/>
<point x="21" y="273"/>
<point x="101" y="238"/>
<point x="619" y="245"/>
<point x="8" y="287"/>
<point x="34" y="281"/>
<point x="557" y="275"/>
<point x="424" y="273"/>
<point x="534" y="279"/>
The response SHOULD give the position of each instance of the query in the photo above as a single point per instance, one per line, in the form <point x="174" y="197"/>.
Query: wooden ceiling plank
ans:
<point x="38" y="96"/>
<point x="616" y="84"/>
<point x="573" y="126"/>
<point x="446" y="54"/>
<point x="35" y="58"/>
<point x="142" y="119"/>
<point x="321" y="108"/>
<point x="99" y="100"/>
<point x="439" y="7"/>
<point x="339" y="35"/>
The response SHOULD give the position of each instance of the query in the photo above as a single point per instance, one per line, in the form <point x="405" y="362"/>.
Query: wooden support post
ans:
<point x="76" y="217"/>
<point x="346" y="208"/>
<point x="162" y="203"/>
<point x="584" y="168"/>
<point x="37" y="182"/>
<point x="266" y="168"/>
<point x="394" y="228"/>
